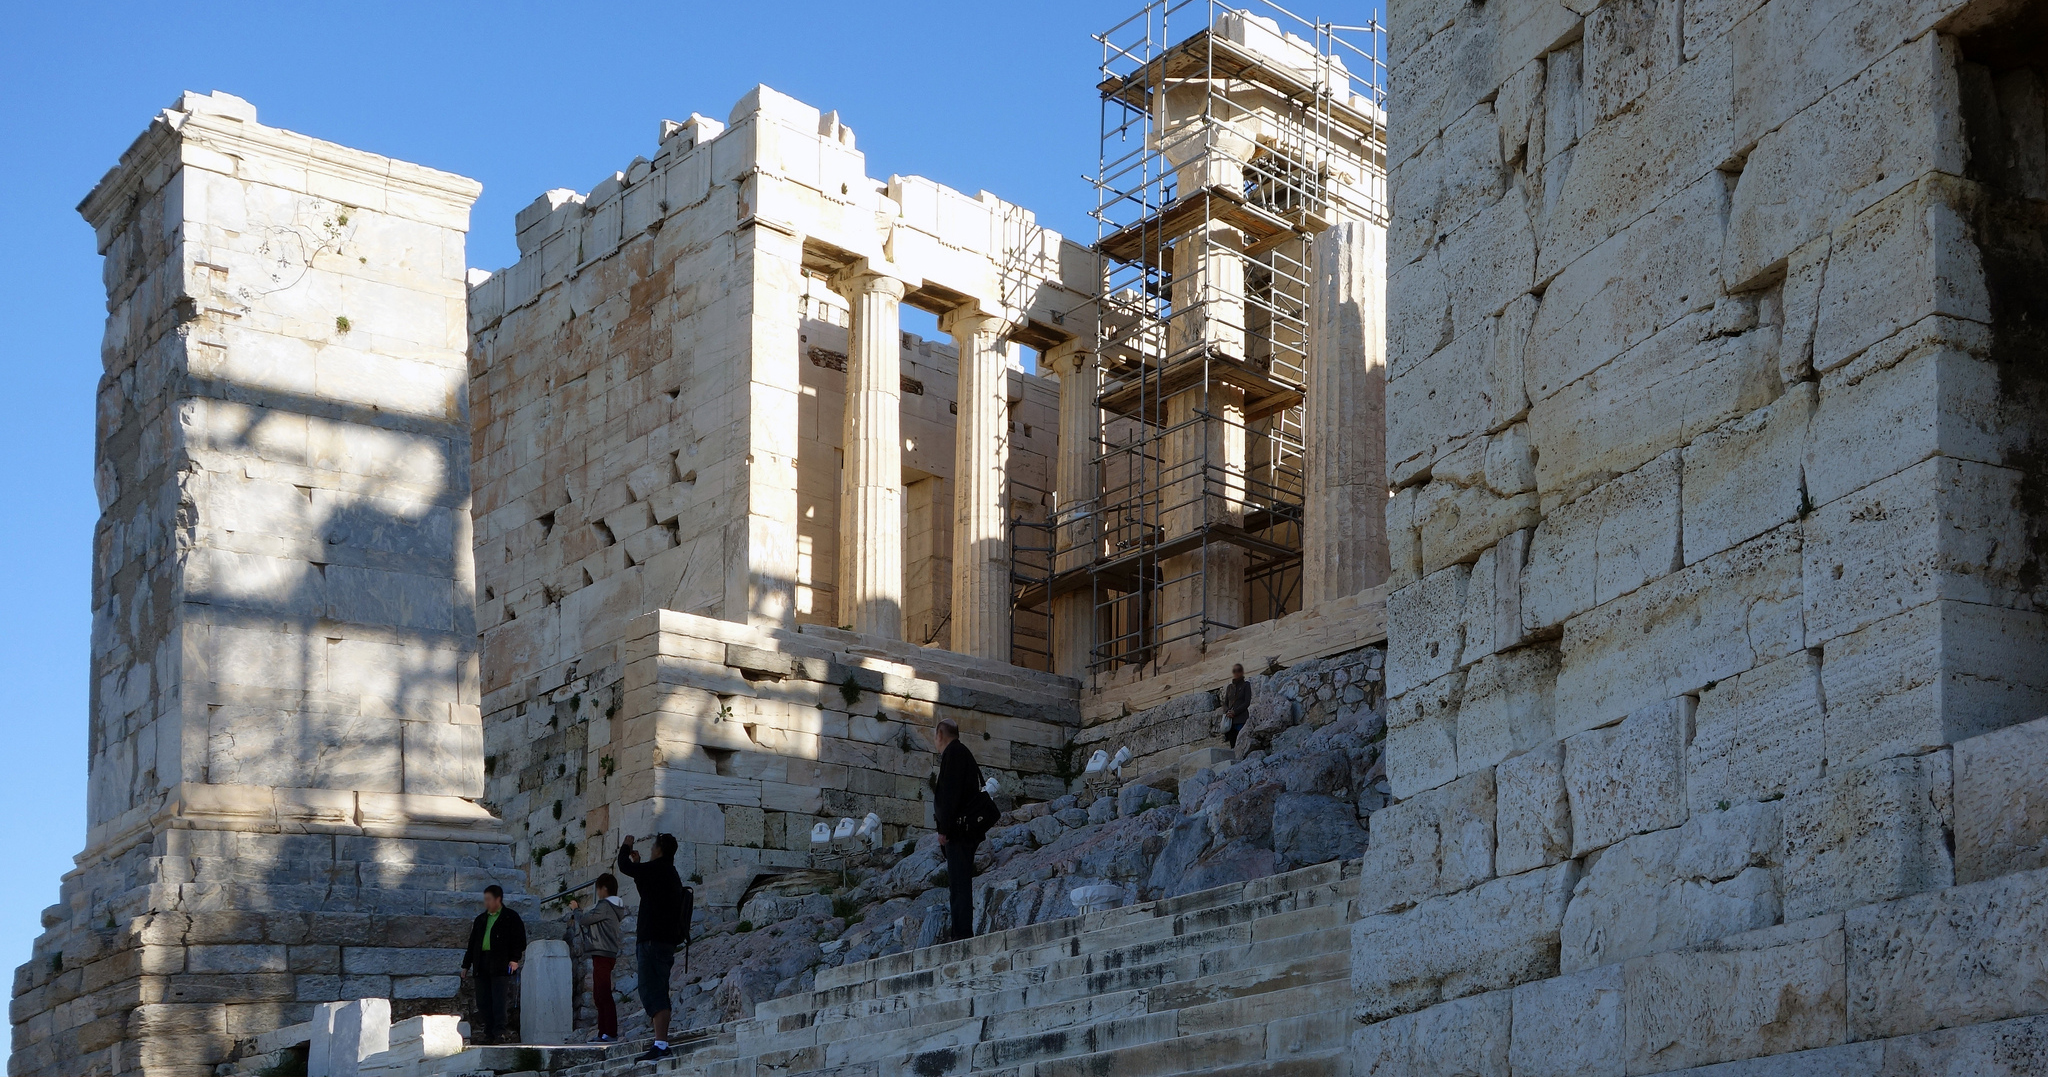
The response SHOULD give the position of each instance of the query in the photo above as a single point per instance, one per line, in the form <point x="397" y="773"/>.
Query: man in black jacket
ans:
<point x="497" y="943"/>
<point x="661" y="930"/>
<point x="959" y="780"/>
<point x="1237" y="703"/>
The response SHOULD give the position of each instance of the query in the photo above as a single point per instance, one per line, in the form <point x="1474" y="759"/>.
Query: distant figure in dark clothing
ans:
<point x="602" y="937"/>
<point x="497" y="943"/>
<point x="1237" y="703"/>
<point x="959" y="781"/>
<point x="661" y="930"/>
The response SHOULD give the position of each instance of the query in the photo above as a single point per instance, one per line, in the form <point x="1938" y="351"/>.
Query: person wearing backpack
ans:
<point x="602" y="939"/>
<point x="664" y="925"/>
<point x="964" y="812"/>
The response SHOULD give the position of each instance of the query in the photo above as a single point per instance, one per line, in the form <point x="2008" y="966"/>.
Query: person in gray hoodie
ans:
<point x="602" y="936"/>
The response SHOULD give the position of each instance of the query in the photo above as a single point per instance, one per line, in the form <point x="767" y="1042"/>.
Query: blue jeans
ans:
<point x="656" y="959"/>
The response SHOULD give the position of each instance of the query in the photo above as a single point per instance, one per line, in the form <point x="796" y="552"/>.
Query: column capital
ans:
<point x="969" y="319"/>
<point x="1070" y="357"/>
<point x="867" y="276"/>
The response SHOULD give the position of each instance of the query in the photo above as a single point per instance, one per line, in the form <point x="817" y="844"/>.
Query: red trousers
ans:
<point x="601" y="994"/>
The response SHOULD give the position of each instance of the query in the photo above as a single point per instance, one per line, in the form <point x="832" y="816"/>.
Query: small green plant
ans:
<point x="1723" y="806"/>
<point x="342" y="324"/>
<point x="849" y="689"/>
<point x="56" y="963"/>
<point x="606" y="765"/>
<point x="558" y="810"/>
<point x="843" y="908"/>
<point x="725" y="713"/>
<point x="575" y="701"/>
<point x="745" y="926"/>
<point x="696" y="877"/>
<point x="570" y="848"/>
<point x="490" y="765"/>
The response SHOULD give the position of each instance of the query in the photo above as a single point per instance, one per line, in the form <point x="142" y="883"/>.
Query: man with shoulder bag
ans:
<point x="964" y="813"/>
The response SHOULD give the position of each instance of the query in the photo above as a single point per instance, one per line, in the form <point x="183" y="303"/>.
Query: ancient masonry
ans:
<point x="1661" y="384"/>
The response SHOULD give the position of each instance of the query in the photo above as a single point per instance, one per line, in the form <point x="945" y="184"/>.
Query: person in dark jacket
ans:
<point x="497" y="943"/>
<point x="959" y="778"/>
<point x="601" y="937"/>
<point x="1237" y="703"/>
<point x="661" y="930"/>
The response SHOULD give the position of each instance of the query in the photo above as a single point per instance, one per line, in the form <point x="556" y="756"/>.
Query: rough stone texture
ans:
<point x="1493" y="936"/>
<point x="1628" y="778"/>
<point x="1437" y="843"/>
<point x="1752" y="287"/>
<point x="2001" y="808"/>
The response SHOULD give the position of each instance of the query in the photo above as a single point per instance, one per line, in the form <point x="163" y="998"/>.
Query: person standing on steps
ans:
<point x="497" y="943"/>
<point x="963" y="812"/>
<point x="1237" y="703"/>
<point x="661" y="930"/>
<point x="602" y="936"/>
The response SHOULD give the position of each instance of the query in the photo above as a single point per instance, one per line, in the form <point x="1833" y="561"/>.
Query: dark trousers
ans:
<point x="491" y="992"/>
<point x="601" y="995"/>
<point x="960" y="880"/>
<point x="656" y="959"/>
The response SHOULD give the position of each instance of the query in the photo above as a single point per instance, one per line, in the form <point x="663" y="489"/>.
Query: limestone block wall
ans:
<point x="1714" y="410"/>
<point x="285" y="741"/>
<point x="737" y="739"/>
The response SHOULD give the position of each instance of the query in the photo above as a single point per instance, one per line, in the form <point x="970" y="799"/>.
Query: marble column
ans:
<point x="1078" y="489"/>
<point x="1344" y="416"/>
<point x="871" y="465"/>
<point x="981" y="486"/>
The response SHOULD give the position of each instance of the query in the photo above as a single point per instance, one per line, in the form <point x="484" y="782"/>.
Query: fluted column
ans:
<point x="871" y="469"/>
<point x="981" y="486"/>
<point x="1074" y="477"/>
<point x="1344" y="416"/>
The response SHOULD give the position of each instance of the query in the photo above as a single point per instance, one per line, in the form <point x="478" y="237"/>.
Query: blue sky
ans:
<point x="523" y="97"/>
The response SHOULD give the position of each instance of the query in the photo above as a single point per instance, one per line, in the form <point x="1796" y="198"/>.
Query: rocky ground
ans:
<point x="1305" y="777"/>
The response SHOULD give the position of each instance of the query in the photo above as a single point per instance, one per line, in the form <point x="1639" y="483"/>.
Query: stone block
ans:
<point x="1767" y="992"/>
<point x="1533" y="820"/>
<point x="2001" y="806"/>
<point x="359" y="1029"/>
<point x="1877" y="832"/>
<point x="1457" y="522"/>
<point x="1604" y="545"/>
<point x="1757" y="735"/>
<point x="1903" y="259"/>
<point x="1788" y="56"/>
<point x="1627" y="286"/>
<point x="1493" y="598"/>
<point x="398" y="961"/>
<point x="236" y="959"/>
<point x="1468" y="1037"/>
<point x="1745" y="478"/>
<point x="1948" y="958"/>
<point x="1494" y="936"/>
<point x="1729" y="613"/>
<point x="1931" y="676"/>
<point x="546" y="1005"/>
<point x="1508" y="706"/>
<point x="1628" y="778"/>
<point x="1426" y="628"/>
<point x="1437" y="842"/>
<point x="1422" y="736"/>
<point x="2015" y="1048"/>
<point x="1920" y="393"/>
<point x="1643" y="164"/>
<point x="444" y="759"/>
<point x="1658" y="395"/>
<point x="1941" y="529"/>
<point x="1570" y="1026"/>
<point x="1863" y="140"/>
<point x="1437" y="410"/>
<point x="1674" y="889"/>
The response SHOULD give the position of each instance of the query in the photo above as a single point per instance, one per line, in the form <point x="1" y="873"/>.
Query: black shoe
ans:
<point x="655" y="1053"/>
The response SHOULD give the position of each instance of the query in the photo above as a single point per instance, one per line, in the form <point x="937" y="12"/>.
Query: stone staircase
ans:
<point x="1247" y="979"/>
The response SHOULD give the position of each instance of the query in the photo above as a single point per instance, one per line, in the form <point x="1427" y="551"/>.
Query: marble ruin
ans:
<point x="1610" y="434"/>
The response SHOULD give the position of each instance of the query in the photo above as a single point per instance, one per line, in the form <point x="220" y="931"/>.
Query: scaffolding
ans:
<point x="1230" y="137"/>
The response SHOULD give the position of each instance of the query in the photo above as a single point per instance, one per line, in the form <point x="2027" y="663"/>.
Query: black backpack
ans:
<point x="980" y="813"/>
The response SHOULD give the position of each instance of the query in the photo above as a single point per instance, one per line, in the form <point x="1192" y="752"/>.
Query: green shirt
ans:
<point x="490" y="921"/>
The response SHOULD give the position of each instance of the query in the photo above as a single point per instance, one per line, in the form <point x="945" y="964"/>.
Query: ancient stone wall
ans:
<point x="1713" y="376"/>
<point x="285" y="737"/>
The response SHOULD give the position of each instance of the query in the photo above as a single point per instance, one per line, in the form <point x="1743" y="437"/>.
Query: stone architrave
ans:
<point x="871" y="476"/>
<point x="1344" y="416"/>
<point x="981" y="479"/>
